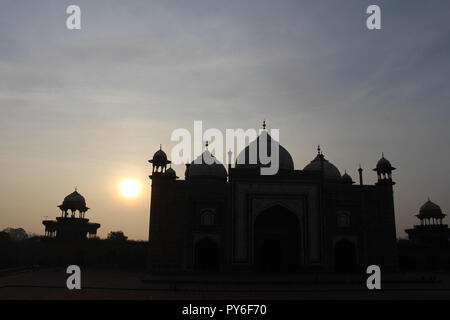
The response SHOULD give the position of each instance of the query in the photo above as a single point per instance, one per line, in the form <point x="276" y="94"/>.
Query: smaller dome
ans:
<point x="206" y="166"/>
<point x="346" y="178"/>
<point x="330" y="171"/>
<point x="430" y="209"/>
<point x="171" y="172"/>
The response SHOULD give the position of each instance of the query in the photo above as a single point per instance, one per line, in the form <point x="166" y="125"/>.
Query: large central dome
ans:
<point x="244" y="160"/>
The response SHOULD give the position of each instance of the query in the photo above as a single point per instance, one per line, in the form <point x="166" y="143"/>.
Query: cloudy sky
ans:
<point x="89" y="107"/>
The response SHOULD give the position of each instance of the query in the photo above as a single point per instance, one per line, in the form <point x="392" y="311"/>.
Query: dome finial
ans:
<point x="230" y="154"/>
<point x="382" y="154"/>
<point x="318" y="149"/>
<point x="76" y="187"/>
<point x="206" y="144"/>
<point x="264" y="124"/>
<point x="160" y="146"/>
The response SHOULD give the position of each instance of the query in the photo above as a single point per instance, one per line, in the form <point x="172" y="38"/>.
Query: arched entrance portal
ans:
<point x="276" y="240"/>
<point x="345" y="256"/>
<point x="206" y="255"/>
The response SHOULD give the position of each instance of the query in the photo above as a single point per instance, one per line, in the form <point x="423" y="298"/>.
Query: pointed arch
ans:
<point x="276" y="240"/>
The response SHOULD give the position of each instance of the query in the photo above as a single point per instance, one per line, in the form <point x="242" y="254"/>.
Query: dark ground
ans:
<point x="99" y="284"/>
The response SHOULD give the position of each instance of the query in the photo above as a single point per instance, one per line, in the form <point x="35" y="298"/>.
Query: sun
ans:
<point x="130" y="188"/>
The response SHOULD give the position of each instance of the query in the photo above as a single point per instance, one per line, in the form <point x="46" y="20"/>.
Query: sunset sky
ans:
<point x="89" y="107"/>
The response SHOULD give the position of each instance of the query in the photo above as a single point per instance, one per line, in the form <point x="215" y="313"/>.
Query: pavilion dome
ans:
<point x="159" y="157"/>
<point x="74" y="201"/>
<point x="383" y="165"/>
<point x="285" y="159"/>
<point x="430" y="209"/>
<point x="329" y="170"/>
<point x="206" y="166"/>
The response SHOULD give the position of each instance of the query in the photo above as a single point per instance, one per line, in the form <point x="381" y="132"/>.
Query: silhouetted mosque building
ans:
<point x="431" y="230"/>
<point x="296" y="220"/>
<point x="69" y="227"/>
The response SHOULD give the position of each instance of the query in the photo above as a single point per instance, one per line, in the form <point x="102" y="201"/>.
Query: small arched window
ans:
<point x="207" y="218"/>
<point x="343" y="219"/>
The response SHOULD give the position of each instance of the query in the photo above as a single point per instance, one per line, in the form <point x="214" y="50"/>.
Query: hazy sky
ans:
<point x="89" y="107"/>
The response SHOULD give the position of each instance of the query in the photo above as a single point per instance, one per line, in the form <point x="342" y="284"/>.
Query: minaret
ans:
<point x="387" y="209"/>
<point x="162" y="179"/>
<point x="360" y="171"/>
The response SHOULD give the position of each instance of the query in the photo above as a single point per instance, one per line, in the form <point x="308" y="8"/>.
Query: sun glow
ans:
<point x="130" y="188"/>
